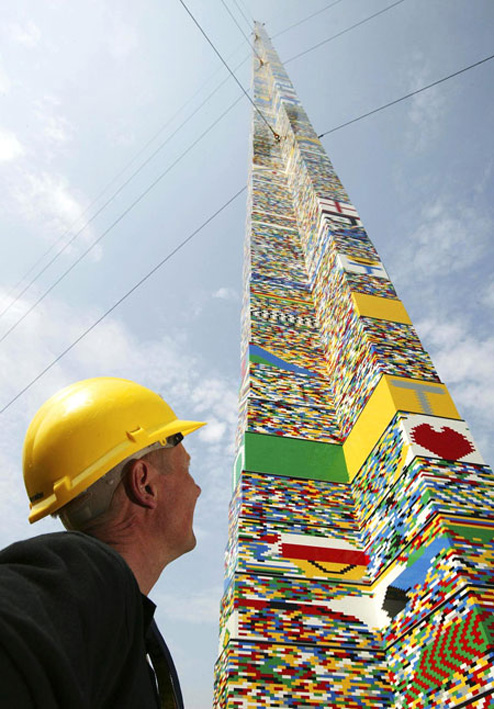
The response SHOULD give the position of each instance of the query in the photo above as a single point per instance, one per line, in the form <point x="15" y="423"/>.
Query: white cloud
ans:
<point x="122" y="40"/>
<point x="218" y="397"/>
<point x="226" y="294"/>
<point x="487" y="297"/>
<point x="485" y="178"/>
<point x="450" y="237"/>
<point x="54" y="126"/>
<point x="27" y="34"/>
<point x="198" y="607"/>
<point x="460" y="356"/>
<point x="47" y="200"/>
<point x="426" y="109"/>
<point x="213" y="432"/>
<point x="10" y="147"/>
<point x="122" y="135"/>
<point x="465" y="363"/>
<point x="5" y="82"/>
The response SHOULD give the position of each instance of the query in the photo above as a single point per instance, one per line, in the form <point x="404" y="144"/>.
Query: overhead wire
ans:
<point x="218" y="54"/>
<point x="104" y="190"/>
<point x="245" y="18"/>
<point x="409" y="95"/>
<point x="124" y="297"/>
<point x="240" y="29"/>
<point x="305" y="19"/>
<point x="339" y="34"/>
<point x="118" y="220"/>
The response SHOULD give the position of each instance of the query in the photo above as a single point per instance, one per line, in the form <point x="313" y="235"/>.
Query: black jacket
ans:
<point x="75" y="630"/>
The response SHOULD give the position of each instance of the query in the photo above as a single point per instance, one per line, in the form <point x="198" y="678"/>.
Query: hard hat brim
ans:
<point x="186" y="427"/>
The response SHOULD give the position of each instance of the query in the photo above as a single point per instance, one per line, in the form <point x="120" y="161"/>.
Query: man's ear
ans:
<point x="140" y="483"/>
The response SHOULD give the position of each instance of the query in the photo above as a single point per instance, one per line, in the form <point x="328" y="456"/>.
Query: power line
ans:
<point x="117" y="221"/>
<point x="124" y="297"/>
<point x="357" y="24"/>
<point x="412" y="93"/>
<point x="305" y="19"/>
<point x="244" y="16"/>
<point x="276" y="136"/>
<point x="116" y="193"/>
<point x="241" y="30"/>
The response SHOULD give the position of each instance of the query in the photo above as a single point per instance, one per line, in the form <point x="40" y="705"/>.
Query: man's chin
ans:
<point x="192" y="543"/>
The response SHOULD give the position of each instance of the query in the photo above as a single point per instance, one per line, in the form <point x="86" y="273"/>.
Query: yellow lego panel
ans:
<point x="393" y="394"/>
<point x="372" y="306"/>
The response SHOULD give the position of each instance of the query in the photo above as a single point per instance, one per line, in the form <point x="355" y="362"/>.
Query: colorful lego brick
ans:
<point x="260" y="355"/>
<point x="371" y="285"/>
<point x="296" y="504"/>
<point x="452" y="661"/>
<point x="282" y="676"/>
<point x="299" y="611"/>
<point x="295" y="421"/>
<point x="298" y="388"/>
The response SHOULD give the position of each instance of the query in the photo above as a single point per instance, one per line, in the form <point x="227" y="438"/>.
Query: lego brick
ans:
<point x="372" y="306"/>
<point x="362" y="266"/>
<point x="284" y="676"/>
<point x="297" y="505"/>
<point x="435" y="437"/>
<point x="451" y="661"/>
<point x="393" y="394"/>
<point x="278" y="418"/>
<point x="294" y="457"/>
<point x="260" y="355"/>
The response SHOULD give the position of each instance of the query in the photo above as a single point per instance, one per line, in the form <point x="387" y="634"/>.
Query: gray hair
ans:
<point x="96" y="500"/>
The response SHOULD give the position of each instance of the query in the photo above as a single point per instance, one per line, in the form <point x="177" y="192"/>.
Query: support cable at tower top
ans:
<point x="246" y="93"/>
<point x="237" y="5"/>
<point x="339" y="34"/>
<point x="240" y="29"/>
<point x="125" y="296"/>
<point x="402" y="98"/>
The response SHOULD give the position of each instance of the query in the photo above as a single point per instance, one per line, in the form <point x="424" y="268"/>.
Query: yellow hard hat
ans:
<point x="86" y="429"/>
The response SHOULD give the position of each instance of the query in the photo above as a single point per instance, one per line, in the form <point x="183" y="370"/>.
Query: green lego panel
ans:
<point x="291" y="457"/>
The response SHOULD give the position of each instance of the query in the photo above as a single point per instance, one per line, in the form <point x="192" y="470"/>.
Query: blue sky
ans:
<point x="85" y="85"/>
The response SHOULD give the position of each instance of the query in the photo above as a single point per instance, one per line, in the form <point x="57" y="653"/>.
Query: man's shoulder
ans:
<point x="63" y="544"/>
<point x="57" y="541"/>
<point x="73" y="557"/>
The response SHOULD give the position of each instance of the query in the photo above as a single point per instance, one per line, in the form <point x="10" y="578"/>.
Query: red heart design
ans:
<point x="446" y="443"/>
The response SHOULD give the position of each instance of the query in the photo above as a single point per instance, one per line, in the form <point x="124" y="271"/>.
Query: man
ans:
<point x="76" y="626"/>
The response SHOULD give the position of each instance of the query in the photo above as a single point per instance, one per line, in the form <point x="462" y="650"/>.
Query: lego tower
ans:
<point x="359" y="567"/>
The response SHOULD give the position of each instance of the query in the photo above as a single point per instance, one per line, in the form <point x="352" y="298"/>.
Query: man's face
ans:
<point x="178" y="495"/>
